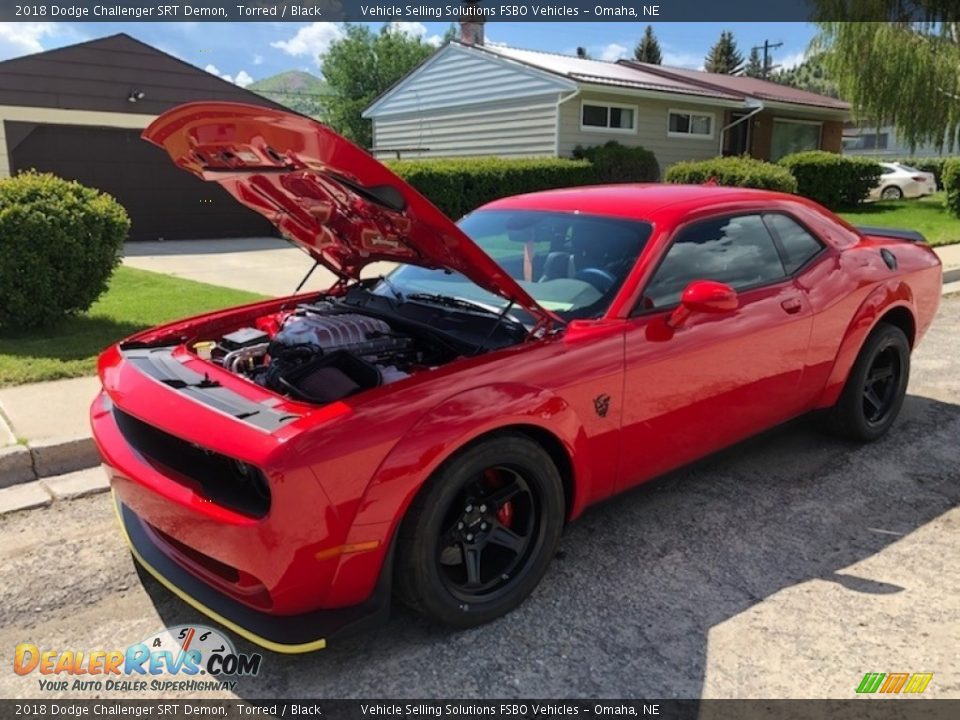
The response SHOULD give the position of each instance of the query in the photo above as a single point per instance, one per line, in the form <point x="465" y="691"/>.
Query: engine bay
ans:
<point x="324" y="351"/>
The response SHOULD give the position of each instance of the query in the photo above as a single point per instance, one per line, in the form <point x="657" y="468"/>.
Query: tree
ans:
<point x="360" y="66"/>
<point x="648" y="49"/>
<point x="754" y="67"/>
<point x="724" y="57"/>
<point x="810" y="75"/>
<point x="899" y="73"/>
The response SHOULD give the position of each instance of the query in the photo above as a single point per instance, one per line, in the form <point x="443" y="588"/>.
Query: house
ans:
<point x="78" y="112"/>
<point x="475" y="99"/>
<point x="882" y="142"/>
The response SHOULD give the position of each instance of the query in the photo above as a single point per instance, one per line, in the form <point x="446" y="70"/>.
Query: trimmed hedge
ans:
<point x="459" y="185"/>
<point x="733" y="171"/>
<point x="59" y="244"/>
<point x="616" y="163"/>
<point x="951" y="184"/>
<point x="834" y="181"/>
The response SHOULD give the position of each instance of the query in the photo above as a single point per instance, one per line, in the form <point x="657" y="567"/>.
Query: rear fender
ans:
<point x="437" y="436"/>
<point x="878" y="303"/>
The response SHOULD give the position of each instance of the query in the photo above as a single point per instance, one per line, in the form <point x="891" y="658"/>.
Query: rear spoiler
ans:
<point x="911" y="235"/>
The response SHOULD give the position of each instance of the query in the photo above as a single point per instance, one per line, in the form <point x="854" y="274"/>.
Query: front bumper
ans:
<point x="289" y="634"/>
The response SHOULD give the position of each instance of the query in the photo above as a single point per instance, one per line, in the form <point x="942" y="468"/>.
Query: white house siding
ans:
<point x="894" y="149"/>
<point x="457" y="77"/>
<point x="505" y="128"/>
<point x="651" y="128"/>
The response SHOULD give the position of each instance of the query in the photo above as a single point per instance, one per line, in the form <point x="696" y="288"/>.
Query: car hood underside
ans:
<point x="323" y="193"/>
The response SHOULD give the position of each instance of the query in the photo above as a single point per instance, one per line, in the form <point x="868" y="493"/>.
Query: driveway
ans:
<point x="788" y="566"/>
<point x="264" y="265"/>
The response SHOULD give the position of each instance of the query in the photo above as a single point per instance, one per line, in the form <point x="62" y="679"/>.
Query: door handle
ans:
<point x="792" y="305"/>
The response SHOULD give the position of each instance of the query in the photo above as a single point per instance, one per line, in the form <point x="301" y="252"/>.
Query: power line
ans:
<point x="767" y="64"/>
<point x="291" y="92"/>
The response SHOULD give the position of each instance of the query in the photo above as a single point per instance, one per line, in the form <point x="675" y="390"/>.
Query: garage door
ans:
<point x="163" y="201"/>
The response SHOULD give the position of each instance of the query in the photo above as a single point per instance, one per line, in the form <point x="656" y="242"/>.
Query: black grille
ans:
<point x="221" y="479"/>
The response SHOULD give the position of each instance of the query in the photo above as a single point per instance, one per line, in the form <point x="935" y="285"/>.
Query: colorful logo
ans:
<point x="894" y="683"/>
<point x="173" y="659"/>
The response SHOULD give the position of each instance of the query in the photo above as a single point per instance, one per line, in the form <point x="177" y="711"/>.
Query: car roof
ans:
<point x="634" y="201"/>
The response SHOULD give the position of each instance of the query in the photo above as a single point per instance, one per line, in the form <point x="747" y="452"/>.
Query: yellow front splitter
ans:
<point x="287" y="634"/>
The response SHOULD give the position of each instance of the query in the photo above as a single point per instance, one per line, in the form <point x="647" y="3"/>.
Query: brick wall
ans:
<point x="761" y="135"/>
<point x="831" y="137"/>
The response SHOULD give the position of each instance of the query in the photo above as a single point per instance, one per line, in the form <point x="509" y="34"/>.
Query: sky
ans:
<point x="244" y="52"/>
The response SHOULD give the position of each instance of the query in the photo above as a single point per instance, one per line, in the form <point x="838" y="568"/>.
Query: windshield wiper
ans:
<point x="454" y="302"/>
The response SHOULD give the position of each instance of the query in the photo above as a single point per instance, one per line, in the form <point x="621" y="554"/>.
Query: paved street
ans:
<point x="786" y="567"/>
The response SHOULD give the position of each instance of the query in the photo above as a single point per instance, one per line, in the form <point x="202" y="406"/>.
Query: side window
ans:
<point x="737" y="250"/>
<point x="798" y="245"/>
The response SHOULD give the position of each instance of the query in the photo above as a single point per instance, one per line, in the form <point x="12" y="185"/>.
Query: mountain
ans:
<point x="296" y="89"/>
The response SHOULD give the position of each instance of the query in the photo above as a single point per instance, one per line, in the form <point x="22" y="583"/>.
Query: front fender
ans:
<point x="878" y="303"/>
<point x="439" y="434"/>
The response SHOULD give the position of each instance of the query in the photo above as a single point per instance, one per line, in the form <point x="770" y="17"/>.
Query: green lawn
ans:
<point x="136" y="299"/>
<point x="926" y="215"/>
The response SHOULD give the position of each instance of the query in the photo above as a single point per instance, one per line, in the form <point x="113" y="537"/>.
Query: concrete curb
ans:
<point x="25" y="496"/>
<point x="16" y="466"/>
<point x="42" y="493"/>
<point x="56" y="456"/>
<point x="46" y="458"/>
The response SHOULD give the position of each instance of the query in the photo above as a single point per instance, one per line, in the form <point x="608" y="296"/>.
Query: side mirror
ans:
<point x="703" y="296"/>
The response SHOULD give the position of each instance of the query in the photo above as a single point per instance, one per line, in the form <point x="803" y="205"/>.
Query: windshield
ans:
<point x="570" y="263"/>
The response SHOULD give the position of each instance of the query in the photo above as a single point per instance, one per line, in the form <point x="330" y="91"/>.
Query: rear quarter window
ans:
<point x="798" y="245"/>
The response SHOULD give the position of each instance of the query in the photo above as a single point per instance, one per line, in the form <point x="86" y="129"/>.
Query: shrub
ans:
<point x="459" y="185"/>
<point x="59" y="244"/>
<point x="951" y="184"/>
<point x="616" y="163"/>
<point x="734" y="171"/>
<point x="835" y="181"/>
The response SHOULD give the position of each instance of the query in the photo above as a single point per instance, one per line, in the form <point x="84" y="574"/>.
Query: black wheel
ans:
<point x="891" y="192"/>
<point x="874" y="393"/>
<point x="481" y="533"/>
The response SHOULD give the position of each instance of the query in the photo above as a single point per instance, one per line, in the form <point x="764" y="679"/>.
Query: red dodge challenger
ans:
<point x="287" y="466"/>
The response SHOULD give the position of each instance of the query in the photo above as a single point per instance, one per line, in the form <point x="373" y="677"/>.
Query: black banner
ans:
<point x="447" y="11"/>
<point x="858" y="709"/>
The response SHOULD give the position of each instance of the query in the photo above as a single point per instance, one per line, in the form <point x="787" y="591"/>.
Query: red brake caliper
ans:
<point x="505" y="512"/>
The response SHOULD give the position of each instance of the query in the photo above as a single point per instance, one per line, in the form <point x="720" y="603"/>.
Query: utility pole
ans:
<point x="767" y="64"/>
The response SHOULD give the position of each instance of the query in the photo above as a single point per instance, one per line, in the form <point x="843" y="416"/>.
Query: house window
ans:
<point x="790" y="136"/>
<point x="683" y="123"/>
<point x="608" y="117"/>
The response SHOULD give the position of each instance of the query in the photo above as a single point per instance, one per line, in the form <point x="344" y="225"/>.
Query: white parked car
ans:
<point x="902" y="181"/>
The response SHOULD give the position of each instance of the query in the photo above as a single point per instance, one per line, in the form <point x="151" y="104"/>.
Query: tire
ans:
<point x="876" y="387"/>
<point x="891" y="192"/>
<point x="466" y="515"/>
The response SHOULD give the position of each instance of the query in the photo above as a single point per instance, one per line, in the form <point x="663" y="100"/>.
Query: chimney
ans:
<point x="471" y="23"/>
<point x="582" y="53"/>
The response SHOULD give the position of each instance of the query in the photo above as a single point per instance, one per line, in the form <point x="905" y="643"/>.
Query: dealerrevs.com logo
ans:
<point x="184" y="658"/>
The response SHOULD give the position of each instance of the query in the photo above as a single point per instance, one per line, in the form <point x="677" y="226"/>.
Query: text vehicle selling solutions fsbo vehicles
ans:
<point x="288" y="466"/>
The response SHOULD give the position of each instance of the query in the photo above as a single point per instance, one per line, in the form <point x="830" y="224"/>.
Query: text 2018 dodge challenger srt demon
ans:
<point x="287" y="466"/>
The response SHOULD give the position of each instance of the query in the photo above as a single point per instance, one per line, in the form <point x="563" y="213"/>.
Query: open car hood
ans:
<point x="323" y="192"/>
